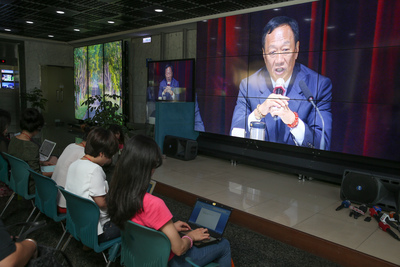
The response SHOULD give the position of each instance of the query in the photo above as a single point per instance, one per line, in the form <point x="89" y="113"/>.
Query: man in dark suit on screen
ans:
<point x="288" y="116"/>
<point x="168" y="85"/>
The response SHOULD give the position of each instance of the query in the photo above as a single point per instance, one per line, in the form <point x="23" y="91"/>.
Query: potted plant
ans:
<point x="35" y="98"/>
<point x="106" y="111"/>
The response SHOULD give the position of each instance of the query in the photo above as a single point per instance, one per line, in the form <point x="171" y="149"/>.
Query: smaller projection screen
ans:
<point x="170" y="80"/>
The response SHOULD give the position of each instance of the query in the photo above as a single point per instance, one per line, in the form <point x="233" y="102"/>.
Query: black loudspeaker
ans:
<point x="371" y="189"/>
<point x="180" y="148"/>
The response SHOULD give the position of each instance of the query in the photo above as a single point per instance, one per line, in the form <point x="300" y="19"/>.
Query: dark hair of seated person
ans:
<point x="5" y="121"/>
<point x="86" y="130"/>
<point x="31" y="120"/>
<point x="115" y="128"/>
<point x="100" y="140"/>
<point x="132" y="174"/>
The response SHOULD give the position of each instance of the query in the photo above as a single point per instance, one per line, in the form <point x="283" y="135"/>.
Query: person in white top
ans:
<point x="86" y="178"/>
<point x="70" y="154"/>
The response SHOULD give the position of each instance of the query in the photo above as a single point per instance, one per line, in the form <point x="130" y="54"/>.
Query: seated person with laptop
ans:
<point x="23" y="147"/>
<point x="140" y="158"/>
<point x="210" y="215"/>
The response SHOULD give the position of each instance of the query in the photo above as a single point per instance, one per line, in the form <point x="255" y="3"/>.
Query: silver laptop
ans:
<point x="210" y="215"/>
<point x="46" y="149"/>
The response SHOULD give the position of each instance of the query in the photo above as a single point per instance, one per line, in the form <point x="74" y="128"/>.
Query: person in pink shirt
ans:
<point x="128" y="200"/>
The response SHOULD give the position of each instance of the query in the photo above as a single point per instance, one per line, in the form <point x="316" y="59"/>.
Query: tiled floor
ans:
<point x="308" y="206"/>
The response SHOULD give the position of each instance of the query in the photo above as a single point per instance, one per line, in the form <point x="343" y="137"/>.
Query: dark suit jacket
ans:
<point x="256" y="88"/>
<point x="163" y="84"/>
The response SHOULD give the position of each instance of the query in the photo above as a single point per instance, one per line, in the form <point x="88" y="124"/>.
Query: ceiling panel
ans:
<point x="92" y="15"/>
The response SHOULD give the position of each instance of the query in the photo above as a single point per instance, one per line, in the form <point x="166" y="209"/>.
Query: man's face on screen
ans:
<point x="280" y="52"/>
<point x="168" y="74"/>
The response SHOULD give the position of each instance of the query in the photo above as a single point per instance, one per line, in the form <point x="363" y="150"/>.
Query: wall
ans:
<point x="9" y="99"/>
<point x="38" y="53"/>
<point x="163" y="46"/>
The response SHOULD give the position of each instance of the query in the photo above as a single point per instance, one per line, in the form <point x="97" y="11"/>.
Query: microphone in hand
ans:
<point x="279" y="90"/>
<point x="279" y="87"/>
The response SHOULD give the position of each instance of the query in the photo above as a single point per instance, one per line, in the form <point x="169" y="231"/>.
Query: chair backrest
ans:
<point x="46" y="196"/>
<point x="4" y="175"/>
<point x="82" y="218"/>
<point x="143" y="246"/>
<point x="19" y="178"/>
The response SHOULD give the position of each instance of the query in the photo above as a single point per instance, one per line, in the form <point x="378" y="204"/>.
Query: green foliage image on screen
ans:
<point x="98" y="71"/>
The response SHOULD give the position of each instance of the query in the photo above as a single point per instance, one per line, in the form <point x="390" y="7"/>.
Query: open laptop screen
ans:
<point x="211" y="215"/>
<point x="46" y="149"/>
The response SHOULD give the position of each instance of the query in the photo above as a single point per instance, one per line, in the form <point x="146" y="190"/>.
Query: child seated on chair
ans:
<point x="86" y="178"/>
<point x="128" y="200"/>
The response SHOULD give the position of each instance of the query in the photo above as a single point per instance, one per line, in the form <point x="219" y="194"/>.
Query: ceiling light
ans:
<point x="51" y="36"/>
<point x="60" y="12"/>
<point x="111" y="22"/>
<point x="158" y="10"/>
<point x="77" y="30"/>
<point x="29" y="22"/>
<point x="7" y="30"/>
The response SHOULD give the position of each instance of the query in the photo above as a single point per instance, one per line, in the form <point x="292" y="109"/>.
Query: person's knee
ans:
<point x="225" y="242"/>
<point x="226" y="245"/>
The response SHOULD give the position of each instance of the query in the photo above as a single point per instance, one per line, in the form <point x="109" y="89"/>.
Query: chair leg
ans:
<point x="66" y="243"/>
<point x="37" y="216"/>
<point x="113" y="252"/>
<point x="27" y="220"/>
<point x="61" y="239"/>
<point x="8" y="203"/>
<point x="105" y="258"/>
